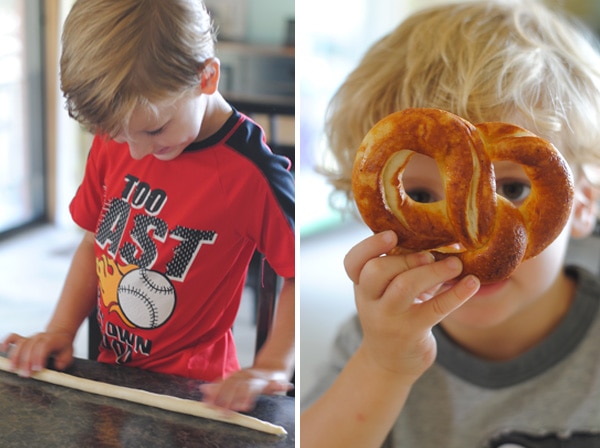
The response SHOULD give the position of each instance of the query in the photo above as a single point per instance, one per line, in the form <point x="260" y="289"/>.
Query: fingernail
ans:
<point x="472" y="282"/>
<point x="388" y="236"/>
<point x="453" y="263"/>
<point x="425" y="258"/>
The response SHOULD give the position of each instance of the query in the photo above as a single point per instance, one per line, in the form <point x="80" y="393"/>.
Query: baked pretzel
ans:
<point x="487" y="232"/>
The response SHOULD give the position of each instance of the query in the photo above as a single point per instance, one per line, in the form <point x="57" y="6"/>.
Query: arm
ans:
<point x="272" y="367"/>
<point x="277" y="354"/>
<point x="358" y="410"/>
<point x="397" y="306"/>
<point x="75" y="303"/>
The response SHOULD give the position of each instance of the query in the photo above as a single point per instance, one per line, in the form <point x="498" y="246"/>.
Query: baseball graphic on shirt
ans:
<point x="146" y="298"/>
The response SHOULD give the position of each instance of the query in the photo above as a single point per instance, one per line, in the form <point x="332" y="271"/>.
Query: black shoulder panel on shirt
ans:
<point x="249" y="141"/>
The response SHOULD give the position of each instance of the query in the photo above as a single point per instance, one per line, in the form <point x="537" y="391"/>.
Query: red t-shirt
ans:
<point x="173" y="243"/>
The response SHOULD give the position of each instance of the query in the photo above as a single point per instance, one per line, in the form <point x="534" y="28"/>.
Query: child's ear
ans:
<point x="209" y="76"/>
<point x="585" y="209"/>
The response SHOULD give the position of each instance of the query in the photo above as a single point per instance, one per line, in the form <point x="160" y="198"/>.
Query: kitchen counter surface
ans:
<point x="37" y="414"/>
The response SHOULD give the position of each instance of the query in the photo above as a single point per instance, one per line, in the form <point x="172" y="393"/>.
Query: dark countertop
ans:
<point x="37" y="414"/>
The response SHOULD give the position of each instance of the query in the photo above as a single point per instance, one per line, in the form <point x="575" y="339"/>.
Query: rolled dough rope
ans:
<point x="167" y="402"/>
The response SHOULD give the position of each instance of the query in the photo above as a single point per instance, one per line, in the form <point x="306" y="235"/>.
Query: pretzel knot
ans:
<point x="487" y="232"/>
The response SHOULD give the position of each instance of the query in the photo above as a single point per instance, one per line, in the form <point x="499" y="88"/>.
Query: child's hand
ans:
<point x="399" y="300"/>
<point x="238" y="392"/>
<point x="31" y="354"/>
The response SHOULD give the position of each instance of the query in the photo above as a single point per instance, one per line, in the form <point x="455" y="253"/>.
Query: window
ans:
<point x="334" y="36"/>
<point x="21" y="128"/>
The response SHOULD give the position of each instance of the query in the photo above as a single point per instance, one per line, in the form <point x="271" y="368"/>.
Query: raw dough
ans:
<point x="167" y="402"/>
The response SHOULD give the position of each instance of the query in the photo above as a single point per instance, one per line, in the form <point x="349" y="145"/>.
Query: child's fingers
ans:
<point x="426" y="295"/>
<point x="9" y="341"/>
<point x="19" y="356"/>
<point x="31" y="354"/>
<point x="63" y="359"/>
<point x="234" y="396"/>
<point x="443" y="304"/>
<point x="365" y="261"/>
<point x="378" y="273"/>
<point x="408" y="286"/>
<point x="371" y="247"/>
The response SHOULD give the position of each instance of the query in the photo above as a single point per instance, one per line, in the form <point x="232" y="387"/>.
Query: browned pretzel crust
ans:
<point x="494" y="235"/>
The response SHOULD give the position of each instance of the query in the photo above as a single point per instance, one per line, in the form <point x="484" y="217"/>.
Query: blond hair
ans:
<point x="513" y="61"/>
<point x="117" y="55"/>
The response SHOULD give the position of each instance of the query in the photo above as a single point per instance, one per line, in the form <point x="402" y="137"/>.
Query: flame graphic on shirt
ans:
<point x="109" y="276"/>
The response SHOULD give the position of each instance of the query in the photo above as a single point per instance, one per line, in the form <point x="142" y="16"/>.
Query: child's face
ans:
<point x="164" y="135"/>
<point x="500" y="301"/>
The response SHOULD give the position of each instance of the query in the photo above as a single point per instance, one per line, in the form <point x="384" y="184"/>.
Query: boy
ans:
<point x="513" y="363"/>
<point x="179" y="190"/>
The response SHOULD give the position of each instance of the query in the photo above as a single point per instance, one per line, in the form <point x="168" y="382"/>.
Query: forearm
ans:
<point x="78" y="295"/>
<point x="358" y="410"/>
<point x="278" y="351"/>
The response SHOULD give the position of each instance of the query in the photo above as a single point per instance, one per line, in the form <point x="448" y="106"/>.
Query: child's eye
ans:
<point x="514" y="191"/>
<point x="156" y="131"/>
<point x="422" y="195"/>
